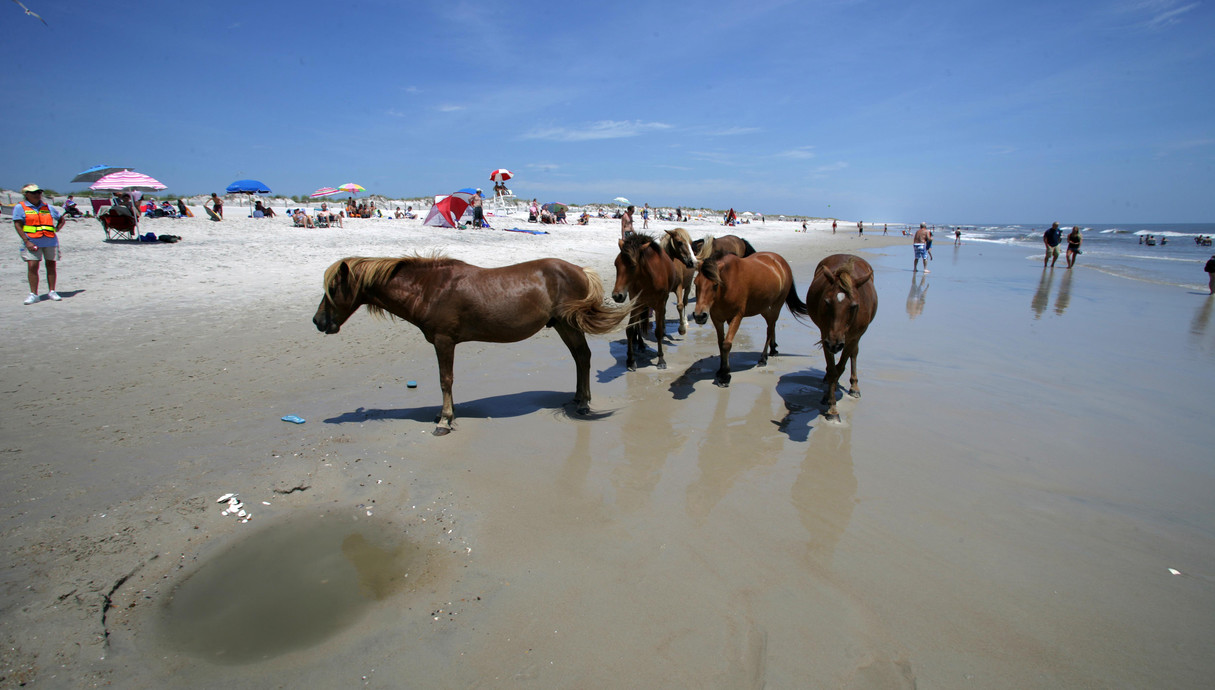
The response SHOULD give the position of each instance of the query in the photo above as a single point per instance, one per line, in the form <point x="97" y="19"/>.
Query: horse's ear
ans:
<point x="827" y="272"/>
<point x="620" y="243"/>
<point x="861" y="281"/>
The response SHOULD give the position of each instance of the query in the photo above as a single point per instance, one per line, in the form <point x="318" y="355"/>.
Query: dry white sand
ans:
<point x="979" y="518"/>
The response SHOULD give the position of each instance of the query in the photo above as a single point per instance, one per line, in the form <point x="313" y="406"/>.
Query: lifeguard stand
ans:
<point x="504" y="204"/>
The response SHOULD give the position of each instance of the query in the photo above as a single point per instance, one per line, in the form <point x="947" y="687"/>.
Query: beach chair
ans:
<point x="118" y="227"/>
<point x="99" y="204"/>
<point x="319" y="220"/>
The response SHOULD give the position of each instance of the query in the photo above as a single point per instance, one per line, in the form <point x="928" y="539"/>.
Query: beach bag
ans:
<point x="150" y="237"/>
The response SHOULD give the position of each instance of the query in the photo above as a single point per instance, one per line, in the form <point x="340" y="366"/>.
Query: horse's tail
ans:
<point x="591" y="314"/>
<point x="797" y="307"/>
<point x="748" y="250"/>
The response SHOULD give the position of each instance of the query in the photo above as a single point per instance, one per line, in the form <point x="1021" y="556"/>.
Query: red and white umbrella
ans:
<point x="324" y="191"/>
<point x="501" y="175"/>
<point x="128" y="180"/>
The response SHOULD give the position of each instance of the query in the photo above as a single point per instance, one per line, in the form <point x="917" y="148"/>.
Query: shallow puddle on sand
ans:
<point x="286" y="587"/>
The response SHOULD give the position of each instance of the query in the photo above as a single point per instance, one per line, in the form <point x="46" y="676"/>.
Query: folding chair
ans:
<point x="118" y="227"/>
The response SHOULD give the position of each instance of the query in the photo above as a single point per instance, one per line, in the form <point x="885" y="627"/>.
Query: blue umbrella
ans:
<point x="96" y="173"/>
<point x="248" y="187"/>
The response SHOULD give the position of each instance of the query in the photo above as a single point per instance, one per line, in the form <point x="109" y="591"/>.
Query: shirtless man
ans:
<point x="919" y="244"/>
<point x="217" y="205"/>
<point x="626" y="223"/>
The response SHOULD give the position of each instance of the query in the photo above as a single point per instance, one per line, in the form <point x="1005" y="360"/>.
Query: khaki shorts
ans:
<point x="40" y="254"/>
<point x="1053" y="251"/>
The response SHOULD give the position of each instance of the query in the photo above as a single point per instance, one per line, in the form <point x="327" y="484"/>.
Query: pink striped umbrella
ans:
<point x="501" y="175"/>
<point x="324" y="191"/>
<point x="128" y="180"/>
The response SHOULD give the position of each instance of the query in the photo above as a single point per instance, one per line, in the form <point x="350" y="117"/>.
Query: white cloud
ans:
<point x="604" y="129"/>
<point x="830" y="167"/>
<point x="1157" y="14"/>
<point x="1180" y="146"/>
<point x="449" y="108"/>
<point x="801" y="152"/>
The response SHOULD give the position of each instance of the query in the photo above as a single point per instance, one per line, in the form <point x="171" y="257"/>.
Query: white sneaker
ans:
<point x="32" y="299"/>
<point x="54" y="296"/>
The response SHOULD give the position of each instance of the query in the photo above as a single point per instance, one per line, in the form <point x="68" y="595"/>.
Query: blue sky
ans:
<point x="966" y="111"/>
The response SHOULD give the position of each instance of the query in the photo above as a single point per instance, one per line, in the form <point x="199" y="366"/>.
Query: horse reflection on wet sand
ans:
<point x="646" y="274"/>
<point x="842" y="302"/>
<point x="453" y="302"/>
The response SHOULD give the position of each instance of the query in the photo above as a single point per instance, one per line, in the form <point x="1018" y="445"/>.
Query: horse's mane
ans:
<point x="710" y="267"/>
<point x="844" y="277"/>
<point x="372" y="273"/>
<point x="633" y="246"/>
<point x="706" y="248"/>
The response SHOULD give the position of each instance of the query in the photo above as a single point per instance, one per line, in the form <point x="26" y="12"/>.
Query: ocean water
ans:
<point x="1113" y="249"/>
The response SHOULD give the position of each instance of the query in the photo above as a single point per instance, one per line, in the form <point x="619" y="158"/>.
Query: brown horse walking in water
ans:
<point x="646" y="274"/>
<point x="453" y="302"/>
<point x="842" y="302"/>
<point x="729" y="288"/>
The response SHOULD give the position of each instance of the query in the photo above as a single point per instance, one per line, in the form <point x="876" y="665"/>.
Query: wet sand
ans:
<point x="1000" y="509"/>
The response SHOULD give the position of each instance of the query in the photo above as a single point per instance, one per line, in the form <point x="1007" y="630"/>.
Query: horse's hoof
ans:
<point x="631" y="367"/>
<point x="442" y="430"/>
<point x="763" y="362"/>
<point x="831" y="417"/>
<point x="583" y="410"/>
<point x="683" y="329"/>
<point x="854" y="393"/>
<point x="721" y="383"/>
<point x="662" y="364"/>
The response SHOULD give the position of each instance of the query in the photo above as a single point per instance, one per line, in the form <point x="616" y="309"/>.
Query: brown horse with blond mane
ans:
<point x="842" y="301"/>
<point x="646" y="274"/>
<point x="729" y="288"/>
<point x="453" y="302"/>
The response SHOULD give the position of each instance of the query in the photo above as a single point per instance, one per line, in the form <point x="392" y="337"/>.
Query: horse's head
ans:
<point x="340" y="299"/>
<point x="678" y="245"/>
<point x="708" y="284"/>
<point x="838" y="303"/>
<point x="628" y="263"/>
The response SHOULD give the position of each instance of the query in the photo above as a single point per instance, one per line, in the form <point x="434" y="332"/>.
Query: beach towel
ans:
<point x="530" y="232"/>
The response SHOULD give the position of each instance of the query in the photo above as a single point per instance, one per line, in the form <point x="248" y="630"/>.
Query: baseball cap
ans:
<point x="30" y="188"/>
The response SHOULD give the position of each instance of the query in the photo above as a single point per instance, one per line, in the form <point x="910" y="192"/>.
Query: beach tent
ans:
<point x="447" y="210"/>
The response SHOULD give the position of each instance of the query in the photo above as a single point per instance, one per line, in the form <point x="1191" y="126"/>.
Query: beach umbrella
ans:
<point x="128" y="180"/>
<point x="621" y="200"/>
<point x="324" y="191"/>
<point x="555" y="207"/>
<point x="501" y="175"/>
<point x="352" y="188"/>
<point x="96" y="173"/>
<point x="248" y="187"/>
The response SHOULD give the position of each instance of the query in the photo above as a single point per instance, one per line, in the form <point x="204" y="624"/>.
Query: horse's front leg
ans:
<point x="830" y="381"/>
<point x="852" y="349"/>
<point x="660" y="330"/>
<point x="722" y="377"/>
<point x="681" y="305"/>
<point x="575" y="340"/>
<point x="632" y="334"/>
<point x="445" y="351"/>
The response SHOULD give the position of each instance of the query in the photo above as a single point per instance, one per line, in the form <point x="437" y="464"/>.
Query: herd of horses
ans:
<point x="452" y="302"/>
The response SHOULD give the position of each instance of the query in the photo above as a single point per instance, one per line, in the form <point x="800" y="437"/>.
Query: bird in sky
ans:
<point x="31" y="12"/>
